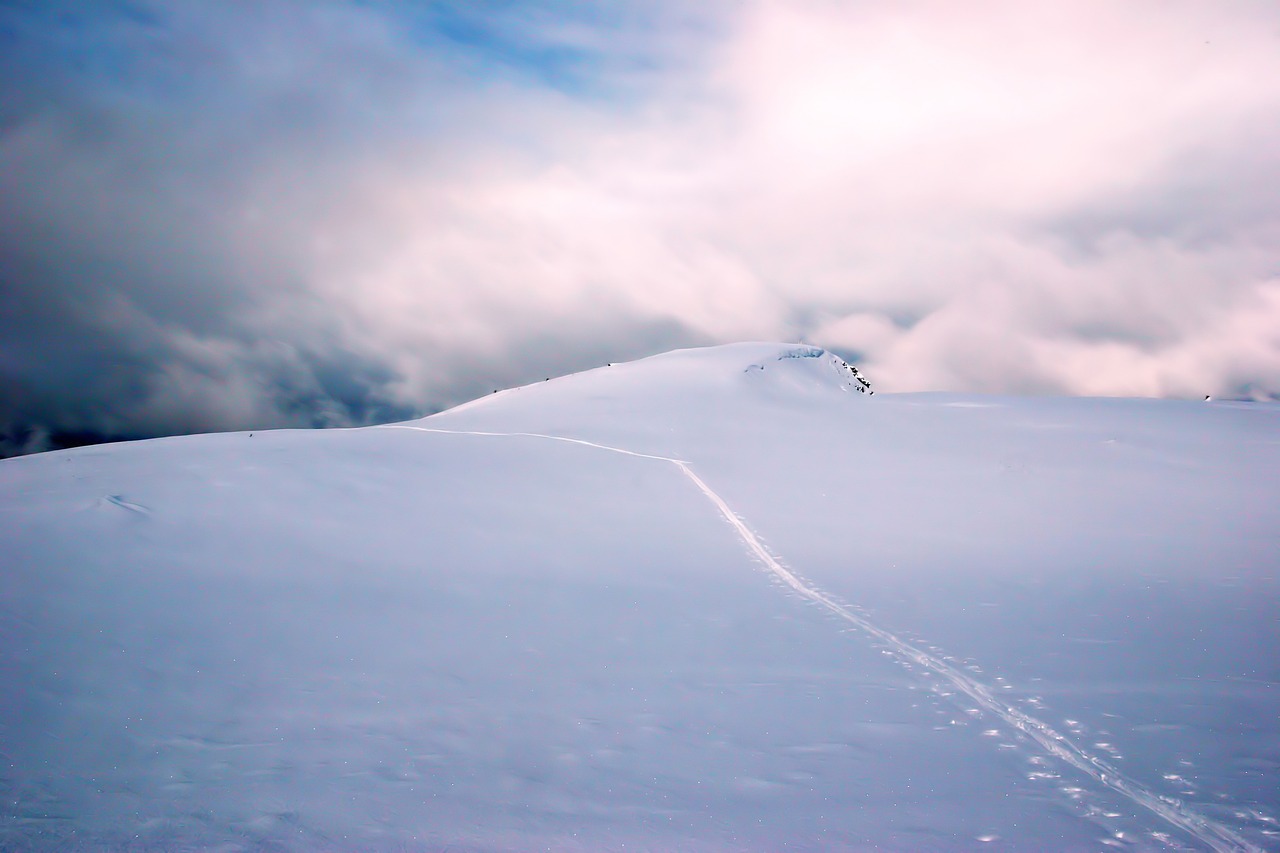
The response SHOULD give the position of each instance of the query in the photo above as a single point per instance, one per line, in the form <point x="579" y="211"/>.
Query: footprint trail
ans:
<point x="1214" y="835"/>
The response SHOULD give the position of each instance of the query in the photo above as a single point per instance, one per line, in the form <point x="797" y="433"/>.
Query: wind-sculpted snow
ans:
<point x="1214" y="835"/>
<point x="802" y="352"/>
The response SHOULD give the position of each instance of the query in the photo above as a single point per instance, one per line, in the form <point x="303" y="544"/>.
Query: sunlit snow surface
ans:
<point x="745" y="607"/>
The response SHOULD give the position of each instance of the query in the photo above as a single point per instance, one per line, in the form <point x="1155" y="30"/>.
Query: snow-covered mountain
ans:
<point x="716" y="599"/>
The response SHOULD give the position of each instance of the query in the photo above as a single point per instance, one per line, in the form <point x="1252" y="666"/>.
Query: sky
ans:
<point x="240" y="215"/>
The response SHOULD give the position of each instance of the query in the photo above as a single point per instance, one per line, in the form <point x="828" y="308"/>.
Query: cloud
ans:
<point x="228" y="215"/>
<point x="996" y="183"/>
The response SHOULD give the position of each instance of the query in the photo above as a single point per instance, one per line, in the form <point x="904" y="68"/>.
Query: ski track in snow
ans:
<point x="117" y="500"/>
<point x="1216" y="836"/>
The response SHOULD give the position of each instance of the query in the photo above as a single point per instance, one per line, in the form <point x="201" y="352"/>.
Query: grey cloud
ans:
<point x="159" y="195"/>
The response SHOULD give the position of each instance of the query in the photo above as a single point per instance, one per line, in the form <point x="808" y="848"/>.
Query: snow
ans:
<point x="712" y="600"/>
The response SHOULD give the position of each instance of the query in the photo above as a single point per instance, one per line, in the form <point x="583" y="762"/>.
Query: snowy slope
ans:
<point x="713" y="600"/>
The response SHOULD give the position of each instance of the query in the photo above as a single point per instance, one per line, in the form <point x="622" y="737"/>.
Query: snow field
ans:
<point x="578" y="629"/>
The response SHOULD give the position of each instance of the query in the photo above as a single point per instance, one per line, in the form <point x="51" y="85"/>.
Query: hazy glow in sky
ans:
<point x="221" y="215"/>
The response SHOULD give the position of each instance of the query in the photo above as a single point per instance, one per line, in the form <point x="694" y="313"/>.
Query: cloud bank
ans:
<point x="241" y="215"/>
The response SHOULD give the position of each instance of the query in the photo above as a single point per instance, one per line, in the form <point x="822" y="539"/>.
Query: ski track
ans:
<point x="1216" y="836"/>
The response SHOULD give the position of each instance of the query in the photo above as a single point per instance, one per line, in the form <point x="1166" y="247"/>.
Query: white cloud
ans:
<point x="1032" y="197"/>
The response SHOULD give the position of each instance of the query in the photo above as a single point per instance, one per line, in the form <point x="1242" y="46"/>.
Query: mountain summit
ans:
<point x="674" y="381"/>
